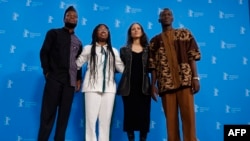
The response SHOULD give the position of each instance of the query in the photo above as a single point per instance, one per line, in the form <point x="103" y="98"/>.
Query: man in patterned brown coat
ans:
<point x="172" y="56"/>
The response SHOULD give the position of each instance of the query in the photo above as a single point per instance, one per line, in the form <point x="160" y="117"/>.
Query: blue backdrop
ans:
<point x="221" y="28"/>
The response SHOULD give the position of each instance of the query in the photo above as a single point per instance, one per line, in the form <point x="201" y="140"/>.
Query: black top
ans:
<point x="55" y="55"/>
<point x="136" y="73"/>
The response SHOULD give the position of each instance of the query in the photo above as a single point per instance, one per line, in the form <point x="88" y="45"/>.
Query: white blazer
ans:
<point x="91" y="85"/>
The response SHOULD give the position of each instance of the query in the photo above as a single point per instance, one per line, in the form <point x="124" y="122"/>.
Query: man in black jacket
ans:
<point x="59" y="51"/>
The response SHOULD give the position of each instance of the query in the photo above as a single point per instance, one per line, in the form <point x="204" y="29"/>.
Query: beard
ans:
<point x="70" y="25"/>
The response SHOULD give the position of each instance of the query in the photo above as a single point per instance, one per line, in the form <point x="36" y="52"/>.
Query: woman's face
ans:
<point x="136" y="31"/>
<point x="102" y="33"/>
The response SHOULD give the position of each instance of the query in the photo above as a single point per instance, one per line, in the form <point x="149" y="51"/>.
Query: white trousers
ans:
<point x="98" y="106"/>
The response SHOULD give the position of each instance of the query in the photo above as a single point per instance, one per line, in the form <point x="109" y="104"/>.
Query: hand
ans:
<point x="78" y="85"/>
<point x="154" y="92"/>
<point x="195" y="86"/>
<point x="46" y="75"/>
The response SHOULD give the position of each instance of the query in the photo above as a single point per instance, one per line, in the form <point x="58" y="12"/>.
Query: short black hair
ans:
<point x="165" y="9"/>
<point x="70" y="8"/>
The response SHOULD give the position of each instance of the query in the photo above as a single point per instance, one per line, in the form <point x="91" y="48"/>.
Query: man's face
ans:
<point x="71" y="17"/>
<point x="166" y="17"/>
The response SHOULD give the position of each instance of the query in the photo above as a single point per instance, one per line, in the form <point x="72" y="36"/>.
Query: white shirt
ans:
<point x="91" y="85"/>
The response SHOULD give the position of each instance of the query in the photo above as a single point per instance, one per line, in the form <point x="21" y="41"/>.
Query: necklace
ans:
<point x="136" y="49"/>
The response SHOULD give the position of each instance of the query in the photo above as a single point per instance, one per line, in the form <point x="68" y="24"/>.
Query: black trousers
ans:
<point x="57" y="101"/>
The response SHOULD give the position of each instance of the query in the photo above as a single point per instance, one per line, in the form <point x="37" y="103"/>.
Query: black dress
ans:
<point x="136" y="105"/>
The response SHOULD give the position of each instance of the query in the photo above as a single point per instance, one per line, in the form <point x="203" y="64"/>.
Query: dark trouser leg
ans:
<point x="131" y="135"/>
<point x="51" y="96"/>
<point x="143" y="136"/>
<point x="186" y="103"/>
<point x="64" y="112"/>
<point x="170" y="106"/>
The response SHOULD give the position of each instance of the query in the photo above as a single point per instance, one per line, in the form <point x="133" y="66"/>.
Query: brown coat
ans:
<point x="186" y="49"/>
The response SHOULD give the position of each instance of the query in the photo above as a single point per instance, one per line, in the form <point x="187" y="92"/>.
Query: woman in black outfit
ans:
<point x="134" y="83"/>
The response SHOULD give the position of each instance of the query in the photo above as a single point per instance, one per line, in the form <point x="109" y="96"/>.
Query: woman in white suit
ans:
<point x="99" y="83"/>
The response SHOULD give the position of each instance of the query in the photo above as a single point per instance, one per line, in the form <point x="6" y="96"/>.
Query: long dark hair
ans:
<point x="93" y="51"/>
<point x="143" y="38"/>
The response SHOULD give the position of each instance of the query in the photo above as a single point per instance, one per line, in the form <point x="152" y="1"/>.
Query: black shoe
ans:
<point x="143" y="136"/>
<point x="131" y="136"/>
